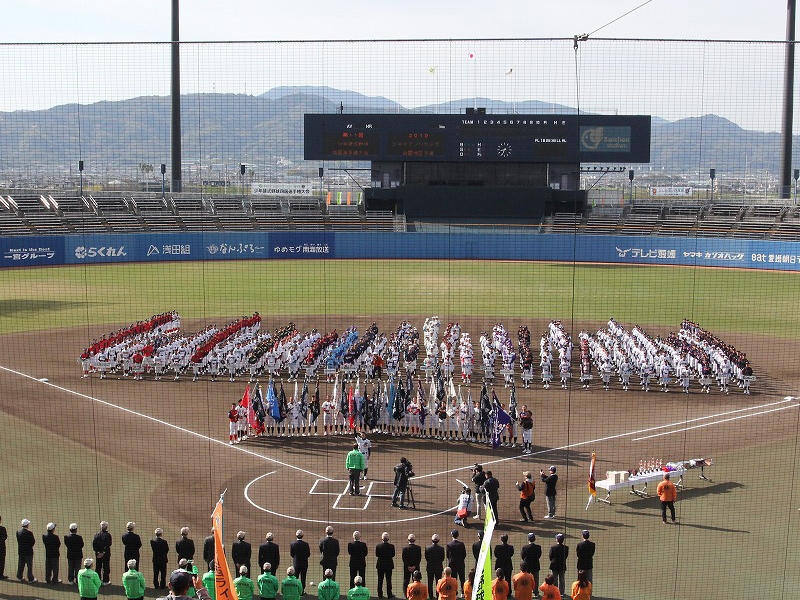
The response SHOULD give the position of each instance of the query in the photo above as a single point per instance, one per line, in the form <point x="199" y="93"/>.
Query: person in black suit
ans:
<point x="478" y="478"/>
<point x="491" y="488"/>
<point x="52" y="552"/>
<point x="558" y="561"/>
<point x="241" y="552"/>
<point x="3" y="538"/>
<point x="476" y="547"/>
<point x="25" y="544"/>
<point x="329" y="551"/>
<point x="101" y="544"/>
<point x="401" y="474"/>
<point x="434" y="563"/>
<point x="160" y="549"/>
<point x="184" y="547"/>
<point x="457" y="557"/>
<point x="74" y="545"/>
<point x="384" y="552"/>
<point x="300" y="552"/>
<point x="550" y="482"/>
<point x="585" y="553"/>
<point x="208" y="549"/>
<point x="412" y="559"/>
<point x="131" y="543"/>
<point x="358" y="558"/>
<point x="530" y="555"/>
<point x="269" y="552"/>
<point x="502" y="558"/>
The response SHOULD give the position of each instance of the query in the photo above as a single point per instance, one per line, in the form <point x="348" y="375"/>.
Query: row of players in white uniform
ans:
<point x="613" y="350"/>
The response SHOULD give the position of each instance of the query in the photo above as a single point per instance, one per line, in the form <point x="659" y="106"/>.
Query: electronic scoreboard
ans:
<point x="478" y="138"/>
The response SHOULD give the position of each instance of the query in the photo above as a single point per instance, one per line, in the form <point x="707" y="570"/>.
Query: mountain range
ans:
<point x="263" y="130"/>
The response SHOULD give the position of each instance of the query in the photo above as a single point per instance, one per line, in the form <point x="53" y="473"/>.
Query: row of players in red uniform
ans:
<point x="220" y="336"/>
<point x="132" y="330"/>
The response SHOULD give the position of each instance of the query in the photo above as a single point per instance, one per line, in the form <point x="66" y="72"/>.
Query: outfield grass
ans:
<point x="724" y="299"/>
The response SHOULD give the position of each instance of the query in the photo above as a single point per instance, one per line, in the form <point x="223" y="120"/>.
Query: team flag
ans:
<point x="392" y="395"/>
<point x="223" y="583"/>
<point x="282" y="404"/>
<point x="592" y="489"/>
<point x="482" y="584"/>
<point x="272" y="400"/>
<point x="351" y="408"/>
<point x="500" y="420"/>
<point x="303" y="400"/>
<point x="512" y="403"/>
<point x="315" y="404"/>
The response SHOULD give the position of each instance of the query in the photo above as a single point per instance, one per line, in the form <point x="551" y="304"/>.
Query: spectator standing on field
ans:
<point x="160" y="549"/>
<point x="523" y="585"/>
<point x="329" y="551"/>
<point x="244" y="585"/>
<point x="300" y="552"/>
<point x="491" y="487"/>
<point x="585" y="553"/>
<point x="358" y="559"/>
<point x="526" y="496"/>
<point x="3" y="538"/>
<point x="25" y="544"/>
<point x="291" y="588"/>
<point x="550" y="481"/>
<point x="270" y="552"/>
<point x="132" y="543"/>
<point x="417" y="590"/>
<point x="384" y="552"/>
<point x="558" y="561"/>
<point x="358" y="591"/>
<point x="133" y="582"/>
<point x="241" y="552"/>
<point x="354" y="463"/>
<point x="447" y="586"/>
<point x="549" y="589"/>
<point x="412" y="558"/>
<point x="500" y="587"/>
<point x="209" y="580"/>
<point x="208" y="552"/>
<point x="457" y="556"/>
<point x="74" y="545"/>
<point x="667" y="494"/>
<point x="52" y="552"/>
<point x="184" y="547"/>
<point x="476" y="547"/>
<point x="101" y="544"/>
<point x="530" y="555"/>
<point x="434" y="563"/>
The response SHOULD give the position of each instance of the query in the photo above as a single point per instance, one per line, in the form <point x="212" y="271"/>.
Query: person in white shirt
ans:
<point x="365" y="447"/>
<point x="464" y="504"/>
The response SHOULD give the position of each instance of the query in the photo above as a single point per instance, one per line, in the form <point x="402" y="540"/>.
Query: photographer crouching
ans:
<point x="402" y="473"/>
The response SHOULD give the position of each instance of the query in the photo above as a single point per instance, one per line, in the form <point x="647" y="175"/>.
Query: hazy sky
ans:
<point x="149" y="20"/>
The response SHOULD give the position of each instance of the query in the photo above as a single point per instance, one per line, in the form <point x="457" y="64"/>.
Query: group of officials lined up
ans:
<point x="444" y="583"/>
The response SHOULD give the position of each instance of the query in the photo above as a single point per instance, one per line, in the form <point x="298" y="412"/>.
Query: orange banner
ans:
<point x="223" y="583"/>
<point x="592" y="489"/>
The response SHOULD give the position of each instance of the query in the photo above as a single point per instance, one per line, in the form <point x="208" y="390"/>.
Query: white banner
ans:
<point x="671" y="191"/>
<point x="281" y="189"/>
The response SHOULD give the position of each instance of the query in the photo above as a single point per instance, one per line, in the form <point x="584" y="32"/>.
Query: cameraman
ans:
<point x="478" y="478"/>
<point x="402" y="473"/>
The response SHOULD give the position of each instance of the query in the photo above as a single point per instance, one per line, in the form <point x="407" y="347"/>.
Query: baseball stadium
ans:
<point x="512" y="254"/>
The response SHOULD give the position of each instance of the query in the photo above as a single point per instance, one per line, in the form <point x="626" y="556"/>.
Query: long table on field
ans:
<point x="645" y="478"/>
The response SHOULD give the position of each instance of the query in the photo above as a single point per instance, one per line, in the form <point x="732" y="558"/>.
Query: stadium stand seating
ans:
<point x="29" y="214"/>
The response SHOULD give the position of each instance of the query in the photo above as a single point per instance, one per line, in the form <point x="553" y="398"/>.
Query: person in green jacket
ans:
<point x="244" y="585"/>
<point x="328" y="589"/>
<point x="133" y="582"/>
<point x="267" y="583"/>
<point x="186" y="566"/>
<point x="358" y="591"/>
<point x="88" y="580"/>
<point x="210" y="580"/>
<point x="291" y="588"/>
<point x="355" y="464"/>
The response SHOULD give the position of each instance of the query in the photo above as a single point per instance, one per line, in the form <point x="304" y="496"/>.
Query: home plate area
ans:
<point x="336" y="489"/>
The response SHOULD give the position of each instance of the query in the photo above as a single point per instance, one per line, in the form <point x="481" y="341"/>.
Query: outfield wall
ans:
<point x="216" y="245"/>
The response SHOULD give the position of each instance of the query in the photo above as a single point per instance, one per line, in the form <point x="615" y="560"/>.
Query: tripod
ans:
<point x="410" y="497"/>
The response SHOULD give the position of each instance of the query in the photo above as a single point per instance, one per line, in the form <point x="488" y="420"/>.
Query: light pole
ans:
<point x="630" y="176"/>
<point x="163" y="186"/>
<point x="796" y="176"/>
<point x="80" y="172"/>
<point x="712" y="175"/>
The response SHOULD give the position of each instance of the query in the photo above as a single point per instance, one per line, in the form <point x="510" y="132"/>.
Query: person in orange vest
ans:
<point x="499" y="586"/>
<point x="526" y="496"/>
<point x="582" y="589"/>
<point x="523" y="584"/>
<point x="549" y="590"/>
<point x="447" y="586"/>
<point x="667" y="493"/>
<point x="468" y="585"/>
<point x="417" y="590"/>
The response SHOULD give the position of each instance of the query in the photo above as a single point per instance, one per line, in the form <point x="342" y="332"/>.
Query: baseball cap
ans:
<point x="553" y="469"/>
<point x="179" y="579"/>
<point x="25" y="522"/>
<point x="51" y="526"/>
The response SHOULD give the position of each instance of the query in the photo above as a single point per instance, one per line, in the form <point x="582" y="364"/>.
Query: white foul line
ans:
<point x="159" y="421"/>
<point x="763" y="412"/>
<point x="618" y="435"/>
